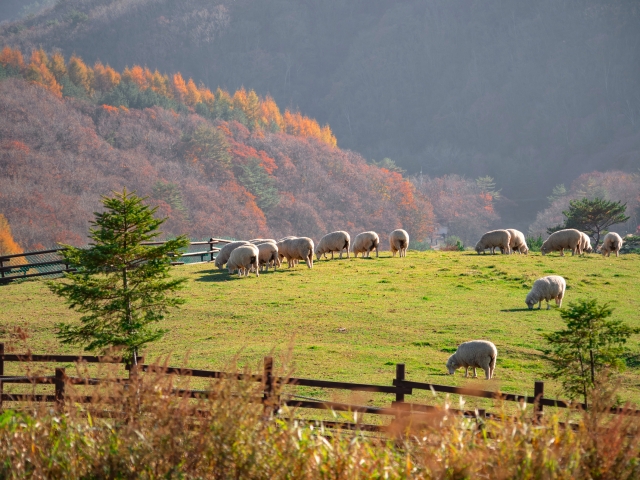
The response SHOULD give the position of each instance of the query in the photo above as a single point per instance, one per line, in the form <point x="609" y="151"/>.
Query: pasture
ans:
<point x="354" y="319"/>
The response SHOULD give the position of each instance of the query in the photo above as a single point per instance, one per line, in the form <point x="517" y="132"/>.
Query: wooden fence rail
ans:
<point x="272" y="391"/>
<point x="25" y="269"/>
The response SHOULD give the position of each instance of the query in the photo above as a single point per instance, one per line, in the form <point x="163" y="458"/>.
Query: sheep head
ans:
<point x="452" y="364"/>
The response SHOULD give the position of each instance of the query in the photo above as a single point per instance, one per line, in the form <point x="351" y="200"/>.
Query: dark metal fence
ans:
<point x="50" y="263"/>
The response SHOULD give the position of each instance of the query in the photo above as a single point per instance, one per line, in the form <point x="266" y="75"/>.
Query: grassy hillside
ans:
<point x="415" y="310"/>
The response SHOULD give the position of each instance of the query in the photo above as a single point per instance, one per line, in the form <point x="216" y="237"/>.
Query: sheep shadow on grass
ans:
<point x="525" y="309"/>
<point x="217" y="276"/>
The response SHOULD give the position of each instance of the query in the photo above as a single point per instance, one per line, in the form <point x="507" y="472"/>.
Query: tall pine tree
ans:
<point x="122" y="286"/>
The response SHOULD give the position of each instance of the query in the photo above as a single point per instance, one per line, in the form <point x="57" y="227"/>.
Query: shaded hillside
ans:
<point x="57" y="156"/>
<point x="515" y="90"/>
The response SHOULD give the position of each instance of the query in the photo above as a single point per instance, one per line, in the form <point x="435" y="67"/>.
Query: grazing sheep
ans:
<point x="280" y="253"/>
<point x="244" y="258"/>
<point x="518" y="243"/>
<point x="558" y="241"/>
<point x="493" y="239"/>
<point x="585" y="243"/>
<point x="365" y="242"/>
<point x="258" y="241"/>
<point x="268" y="255"/>
<point x="294" y="249"/>
<point x="475" y="354"/>
<point x="546" y="288"/>
<point x="399" y="241"/>
<point x="612" y="243"/>
<point x="225" y="252"/>
<point x="333" y="242"/>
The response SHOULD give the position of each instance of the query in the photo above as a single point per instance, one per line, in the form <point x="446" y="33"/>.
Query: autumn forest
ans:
<point x="80" y="118"/>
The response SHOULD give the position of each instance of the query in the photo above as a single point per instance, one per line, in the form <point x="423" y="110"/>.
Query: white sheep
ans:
<point x="494" y="239"/>
<point x="280" y="256"/>
<point x="258" y="241"/>
<point x="475" y="354"/>
<point x="268" y="255"/>
<point x="569" y="238"/>
<point x="546" y="288"/>
<point x="612" y="243"/>
<point x="518" y="242"/>
<point x="333" y="242"/>
<point x="293" y="249"/>
<point x="244" y="259"/>
<point x="225" y="252"/>
<point x="399" y="241"/>
<point x="585" y="243"/>
<point x="364" y="243"/>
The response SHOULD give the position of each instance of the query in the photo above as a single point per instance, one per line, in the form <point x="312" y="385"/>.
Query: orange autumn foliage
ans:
<point x="79" y="73"/>
<point x="206" y="97"/>
<point x="270" y="115"/>
<point x="38" y="72"/>
<point x="8" y="246"/>
<point x="261" y="114"/>
<point x="193" y="96"/>
<point x="179" y="88"/>
<point x="301" y="126"/>
<point x="12" y="58"/>
<point x="57" y="66"/>
<point x="136" y="75"/>
<point x="105" y="78"/>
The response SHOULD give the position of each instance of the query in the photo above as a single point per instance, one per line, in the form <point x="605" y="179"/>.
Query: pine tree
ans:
<point x="594" y="216"/>
<point x="589" y="349"/>
<point x="122" y="287"/>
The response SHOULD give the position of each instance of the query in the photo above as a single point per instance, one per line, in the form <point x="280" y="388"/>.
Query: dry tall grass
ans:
<point x="152" y="429"/>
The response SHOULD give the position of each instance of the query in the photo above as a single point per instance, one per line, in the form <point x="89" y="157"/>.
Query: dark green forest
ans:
<point x="531" y="93"/>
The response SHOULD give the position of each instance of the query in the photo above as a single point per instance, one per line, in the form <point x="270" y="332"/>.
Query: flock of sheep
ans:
<point x="482" y="353"/>
<point x="254" y="255"/>
<point x="511" y="241"/>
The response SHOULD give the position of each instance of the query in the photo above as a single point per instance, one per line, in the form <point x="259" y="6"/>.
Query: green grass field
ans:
<point x="354" y="319"/>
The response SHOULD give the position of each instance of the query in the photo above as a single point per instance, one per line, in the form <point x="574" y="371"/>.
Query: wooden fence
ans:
<point x="50" y="262"/>
<point x="273" y="394"/>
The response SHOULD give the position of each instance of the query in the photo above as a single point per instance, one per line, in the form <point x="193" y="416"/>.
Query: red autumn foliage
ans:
<point x="60" y="155"/>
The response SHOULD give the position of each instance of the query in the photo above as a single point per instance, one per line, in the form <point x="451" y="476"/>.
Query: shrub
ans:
<point x="535" y="243"/>
<point x="420" y="246"/>
<point x="631" y="244"/>
<point x="453" y="243"/>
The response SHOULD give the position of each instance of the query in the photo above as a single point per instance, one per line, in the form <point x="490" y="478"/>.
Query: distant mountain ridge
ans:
<point x="531" y="93"/>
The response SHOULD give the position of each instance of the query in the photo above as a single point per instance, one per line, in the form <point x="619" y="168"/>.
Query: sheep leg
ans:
<point x="539" y="304"/>
<point x="331" y="254"/>
<point x="548" y="305"/>
<point x="466" y="371"/>
<point x="475" y="373"/>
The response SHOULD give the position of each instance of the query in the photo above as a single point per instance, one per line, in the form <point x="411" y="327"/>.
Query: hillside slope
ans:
<point x="58" y="156"/>
<point x="510" y="89"/>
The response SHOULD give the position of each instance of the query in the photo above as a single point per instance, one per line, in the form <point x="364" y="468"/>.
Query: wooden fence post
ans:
<point x="1" y="370"/>
<point x="267" y="397"/>
<point x="59" y="385"/>
<point x="211" y="248"/>
<point x="400" y="372"/>
<point x="1" y="270"/>
<point x="538" y="394"/>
